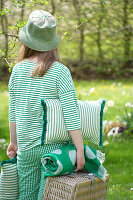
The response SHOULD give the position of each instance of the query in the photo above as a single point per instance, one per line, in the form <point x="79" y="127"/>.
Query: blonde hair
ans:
<point x="44" y="62"/>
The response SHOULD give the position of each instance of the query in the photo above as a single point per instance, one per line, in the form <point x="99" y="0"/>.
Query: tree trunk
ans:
<point x="100" y="53"/>
<point x="127" y="34"/>
<point x="6" y="35"/>
<point x="81" y="48"/>
<point x="81" y="29"/>
<point x="4" y="25"/>
<point x="23" y="10"/>
<point x="53" y="7"/>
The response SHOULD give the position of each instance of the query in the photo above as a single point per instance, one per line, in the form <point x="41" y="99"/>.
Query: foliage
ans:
<point x="127" y="117"/>
<point x="93" y="34"/>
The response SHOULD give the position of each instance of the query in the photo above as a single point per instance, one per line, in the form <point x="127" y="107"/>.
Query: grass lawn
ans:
<point x="119" y="159"/>
<point x="119" y="163"/>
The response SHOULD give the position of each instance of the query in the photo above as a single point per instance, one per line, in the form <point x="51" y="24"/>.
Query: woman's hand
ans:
<point x="12" y="150"/>
<point x="80" y="159"/>
<point x="78" y="142"/>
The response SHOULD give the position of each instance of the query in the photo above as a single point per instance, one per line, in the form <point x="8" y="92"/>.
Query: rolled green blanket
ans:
<point x="62" y="161"/>
<point x="93" y="162"/>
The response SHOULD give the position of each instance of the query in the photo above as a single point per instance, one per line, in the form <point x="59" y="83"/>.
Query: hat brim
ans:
<point x="38" y="45"/>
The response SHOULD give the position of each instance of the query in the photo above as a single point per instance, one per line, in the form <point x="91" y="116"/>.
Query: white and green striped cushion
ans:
<point x="9" y="186"/>
<point x="91" y="117"/>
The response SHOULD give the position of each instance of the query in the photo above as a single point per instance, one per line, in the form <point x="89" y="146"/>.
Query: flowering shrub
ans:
<point x="123" y="126"/>
<point x="110" y="128"/>
<point x="127" y="117"/>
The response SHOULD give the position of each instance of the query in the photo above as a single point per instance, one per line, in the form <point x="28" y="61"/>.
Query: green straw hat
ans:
<point x="39" y="33"/>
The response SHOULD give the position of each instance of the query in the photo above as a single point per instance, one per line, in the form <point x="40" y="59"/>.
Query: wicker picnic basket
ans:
<point x="83" y="186"/>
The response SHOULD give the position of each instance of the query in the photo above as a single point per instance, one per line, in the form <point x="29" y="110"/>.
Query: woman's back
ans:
<point x="26" y="94"/>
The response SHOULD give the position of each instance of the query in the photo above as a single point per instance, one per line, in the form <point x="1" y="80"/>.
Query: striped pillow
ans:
<point x="91" y="116"/>
<point x="9" y="186"/>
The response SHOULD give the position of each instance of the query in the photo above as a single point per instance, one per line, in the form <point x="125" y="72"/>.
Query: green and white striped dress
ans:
<point x="25" y="94"/>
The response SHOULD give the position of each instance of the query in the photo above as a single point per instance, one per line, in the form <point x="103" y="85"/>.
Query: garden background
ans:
<point x="96" y="43"/>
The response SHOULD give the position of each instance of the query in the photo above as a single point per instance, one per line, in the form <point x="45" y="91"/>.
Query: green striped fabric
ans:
<point x="31" y="176"/>
<point x="9" y="186"/>
<point x="25" y="94"/>
<point x="91" y="117"/>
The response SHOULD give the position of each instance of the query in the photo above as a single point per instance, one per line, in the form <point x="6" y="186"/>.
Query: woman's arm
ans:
<point x="78" y="142"/>
<point x="12" y="127"/>
<point x="12" y="148"/>
<point x="68" y="98"/>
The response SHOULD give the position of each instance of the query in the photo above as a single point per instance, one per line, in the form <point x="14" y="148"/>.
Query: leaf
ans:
<point x="84" y="20"/>
<point x="66" y="33"/>
<point x="6" y="11"/>
<point x="59" y="18"/>
<point x="76" y="26"/>
<point x="11" y="27"/>
<point x="20" y="23"/>
<point x="2" y="51"/>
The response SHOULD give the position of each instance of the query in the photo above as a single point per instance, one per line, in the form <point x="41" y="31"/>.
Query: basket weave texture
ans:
<point x="75" y="188"/>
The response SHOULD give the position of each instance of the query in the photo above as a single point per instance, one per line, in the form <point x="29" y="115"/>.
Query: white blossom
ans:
<point x="105" y="122"/>
<point x="129" y="104"/>
<point x="105" y="143"/>
<point x="123" y="92"/>
<point x="110" y="122"/>
<point x="105" y="109"/>
<point x="119" y="84"/>
<point x="92" y="90"/>
<point x="110" y="103"/>
<point x="129" y="114"/>
<point x="113" y="131"/>
<point x="2" y="140"/>
<point x="6" y="92"/>
<point x="117" y="117"/>
<point x="114" y="83"/>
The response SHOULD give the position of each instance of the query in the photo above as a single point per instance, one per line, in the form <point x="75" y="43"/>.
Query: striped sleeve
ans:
<point x="12" y="107"/>
<point x="68" y="99"/>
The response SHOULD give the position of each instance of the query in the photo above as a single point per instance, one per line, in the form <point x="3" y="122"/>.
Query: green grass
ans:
<point x="119" y="163"/>
<point x="109" y="90"/>
<point x="119" y="159"/>
<point x="4" y="123"/>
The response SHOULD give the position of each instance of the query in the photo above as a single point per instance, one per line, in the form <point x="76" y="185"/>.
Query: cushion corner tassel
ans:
<point x="101" y="122"/>
<point x="44" y="120"/>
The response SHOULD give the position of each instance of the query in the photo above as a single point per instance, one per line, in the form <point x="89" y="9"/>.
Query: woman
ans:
<point x="38" y="74"/>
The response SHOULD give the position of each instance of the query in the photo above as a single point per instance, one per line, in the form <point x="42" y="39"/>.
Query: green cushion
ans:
<point x="9" y="186"/>
<point x="91" y="117"/>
